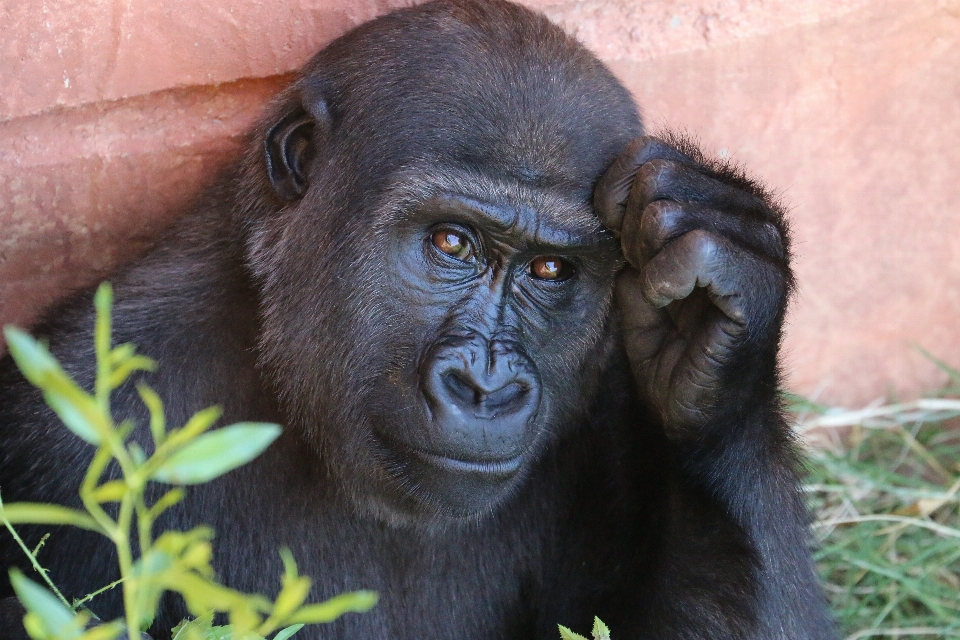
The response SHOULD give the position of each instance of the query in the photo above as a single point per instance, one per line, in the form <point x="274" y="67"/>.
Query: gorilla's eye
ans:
<point x="456" y="245"/>
<point x="550" y="268"/>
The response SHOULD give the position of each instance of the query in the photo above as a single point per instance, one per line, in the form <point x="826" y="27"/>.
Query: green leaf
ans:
<point x="200" y="625"/>
<point x="214" y="454"/>
<point x="112" y="491"/>
<point x="148" y="573"/>
<point x="202" y="629"/>
<point x="291" y="596"/>
<point x="121" y="353"/>
<point x="353" y="602"/>
<point x="166" y="501"/>
<point x="225" y="632"/>
<point x="137" y="454"/>
<point x="38" y="513"/>
<point x="203" y="594"/>
<point x="197" y="424"/>
<point x="137" y="363"/>
<point x="103" y="301"/>
<point x="600" y="630"/>
<point x="109" y="631"/>
<point x="295" y="588"/>
<point x="287" y="633"/>
<point x="77" y="409"/>
<point x="158" y="424"/>
<point x="566" y="634"/>
<point x="289" y="563"/>
<point x="190" y="551"/>
<point x="48" y="615"/>
<point x="33" y="359"/>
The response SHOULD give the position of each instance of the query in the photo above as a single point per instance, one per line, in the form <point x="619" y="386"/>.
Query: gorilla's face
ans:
<point x="501" y="305"/>
<point x="434" y="346"/>
<point x="435" y="286"/>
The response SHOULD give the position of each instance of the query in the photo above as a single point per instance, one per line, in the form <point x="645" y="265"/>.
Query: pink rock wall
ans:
<point x="113" y="113"/>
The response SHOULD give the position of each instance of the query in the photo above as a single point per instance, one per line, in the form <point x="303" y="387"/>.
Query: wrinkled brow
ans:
<point x="552" y="217"/>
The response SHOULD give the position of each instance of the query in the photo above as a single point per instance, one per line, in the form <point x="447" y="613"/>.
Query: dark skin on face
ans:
<point x="525" y="356"/>
<point x="490" y="284"/>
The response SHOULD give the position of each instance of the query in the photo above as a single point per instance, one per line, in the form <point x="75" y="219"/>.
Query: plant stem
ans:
<point x="91" y="596"/>
<point x="33" y="558"/>
<point x="99" y="463"/>
<point x="125" y="555"/>
<point x="103" y="328"/>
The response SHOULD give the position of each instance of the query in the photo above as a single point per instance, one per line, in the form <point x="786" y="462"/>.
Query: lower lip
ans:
<point x="506" y="467"/>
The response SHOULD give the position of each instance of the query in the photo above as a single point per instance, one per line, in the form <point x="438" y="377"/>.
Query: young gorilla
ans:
<point x="525" y="356"/>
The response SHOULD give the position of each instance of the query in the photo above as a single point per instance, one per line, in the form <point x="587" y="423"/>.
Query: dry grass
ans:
<point x="884" y="482"/>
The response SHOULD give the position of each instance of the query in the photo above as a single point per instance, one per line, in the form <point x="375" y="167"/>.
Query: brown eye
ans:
<point x="549" y="268"/>
<point x="453" y="244"/>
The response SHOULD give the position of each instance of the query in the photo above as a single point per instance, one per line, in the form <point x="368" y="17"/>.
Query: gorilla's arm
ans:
<point x="702" y="303"/>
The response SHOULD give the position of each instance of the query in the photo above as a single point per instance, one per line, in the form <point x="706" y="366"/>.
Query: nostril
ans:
<point x="506" y="397"/>
<point x="466" y="392"/>
<point x="461" y="389"/>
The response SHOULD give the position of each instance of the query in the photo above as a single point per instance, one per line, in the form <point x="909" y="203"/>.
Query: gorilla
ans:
<point x="525" y="355"/>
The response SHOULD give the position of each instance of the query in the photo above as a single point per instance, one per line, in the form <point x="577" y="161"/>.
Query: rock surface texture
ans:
<point x="114" y="113"/>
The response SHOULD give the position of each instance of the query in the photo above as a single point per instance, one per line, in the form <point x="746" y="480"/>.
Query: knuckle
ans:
<point x="665" y="212"/>
<point x="625" y="166"/>
<point x="652" y="175"/>
<point x="631" y="180"/>
<point x="659" y="166"/>
<point x="770" y="230"/>
<point x="660" y="219"/>
<point x="646" y="172"/>
<point x="637" y="146"/>
<point x="703" y="243"/>
<point x="773" y="240"/>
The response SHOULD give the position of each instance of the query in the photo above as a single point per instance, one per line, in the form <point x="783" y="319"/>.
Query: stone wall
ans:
<point x="113" y="113"/>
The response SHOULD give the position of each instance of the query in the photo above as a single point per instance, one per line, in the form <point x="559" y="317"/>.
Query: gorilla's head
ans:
<point x="436" y="287"/>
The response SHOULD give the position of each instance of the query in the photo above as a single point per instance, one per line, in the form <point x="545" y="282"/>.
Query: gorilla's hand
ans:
<point x="703" y="296"/>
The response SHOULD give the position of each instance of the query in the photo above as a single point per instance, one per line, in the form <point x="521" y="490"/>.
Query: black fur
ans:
<point x="303" y="288"/>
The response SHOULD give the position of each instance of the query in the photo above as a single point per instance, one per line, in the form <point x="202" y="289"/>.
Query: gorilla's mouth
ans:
<point x="453" y="483"/>
<point x="492" y="468"/>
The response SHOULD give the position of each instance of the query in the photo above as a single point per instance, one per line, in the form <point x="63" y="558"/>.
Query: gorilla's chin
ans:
<point x="463" y="489"/>
<point x="447" y="485"/>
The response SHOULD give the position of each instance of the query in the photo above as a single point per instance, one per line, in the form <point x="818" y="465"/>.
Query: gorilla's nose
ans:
<point x="488" y="396"/>
<point x="483" y="397"/>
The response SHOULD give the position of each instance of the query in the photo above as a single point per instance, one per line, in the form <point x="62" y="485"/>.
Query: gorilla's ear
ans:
<point x="290" y="148"/>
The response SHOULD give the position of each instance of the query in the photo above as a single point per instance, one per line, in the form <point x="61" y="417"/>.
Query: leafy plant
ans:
<point x="116" y="507"/>
<point x="600" y="632"/>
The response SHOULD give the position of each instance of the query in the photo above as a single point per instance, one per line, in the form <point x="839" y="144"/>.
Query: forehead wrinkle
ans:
<point x="560" y="218"/>
<point x="564" y="224"/>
